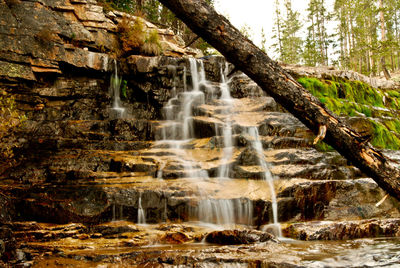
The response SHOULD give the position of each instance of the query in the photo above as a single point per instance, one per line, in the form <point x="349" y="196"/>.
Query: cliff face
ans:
<point x="45" y="36"/>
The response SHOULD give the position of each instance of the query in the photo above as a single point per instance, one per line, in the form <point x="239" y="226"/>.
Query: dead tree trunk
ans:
<point x="240" y="51"/>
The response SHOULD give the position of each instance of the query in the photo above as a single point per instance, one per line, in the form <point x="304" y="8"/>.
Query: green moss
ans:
<point x="384" y="138"/>
<point x="393" y="93"/>
<point x="393" y="125"/>
<point x="323" y="147"/>
<point x="350" y="98"/>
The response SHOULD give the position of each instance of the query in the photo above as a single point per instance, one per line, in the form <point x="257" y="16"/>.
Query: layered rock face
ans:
<point x="194" y="143"/>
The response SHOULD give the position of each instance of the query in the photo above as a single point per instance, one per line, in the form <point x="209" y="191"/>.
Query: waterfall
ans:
<point x="227" y="101"/>
<point x="115" y="216"/>
<point x="177" y="131"/>
<point x="267" y="176"/>
<point x="141" y="217"/>
<point x="115" y="85"/>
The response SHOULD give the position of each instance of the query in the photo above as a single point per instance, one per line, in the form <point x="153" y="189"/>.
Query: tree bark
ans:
<point x="239" y="50"/>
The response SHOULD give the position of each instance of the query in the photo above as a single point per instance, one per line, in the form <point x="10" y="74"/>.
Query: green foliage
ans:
<point x="123" y="5"/>
<point x="206" y="48"/>
<point x="323" y="147"/>
<point x="132" y="36"/>
<point x="384" y="138"/>
<point x="124" y="85"/>
<point x="10" y="119"/>
<point x="152" y="44"/>
<point x="351" y="98"/>
<point x="347" y="91"/>
<point x="246" y="31"/>
<point x="286" y="33"/>
<point x="393" y="93"/>
<point x="155" y="12"/>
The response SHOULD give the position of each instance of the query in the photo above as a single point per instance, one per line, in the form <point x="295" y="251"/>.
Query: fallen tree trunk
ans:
<point x="239" y="50"/>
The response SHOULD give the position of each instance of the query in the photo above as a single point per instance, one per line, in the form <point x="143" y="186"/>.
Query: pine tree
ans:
<point x="263" y="41"/>
<point x="383" y="39"/>
<point x="291" y="42"/>
<point x="277" y="31"/>
<point x="316" y="45"/>
<point x="288" y="44"/>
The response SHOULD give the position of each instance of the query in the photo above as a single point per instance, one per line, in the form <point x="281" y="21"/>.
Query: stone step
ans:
<point x="306" y="171"/>
<point x="126" y="242"/>
<point x="115" y="129"/>
<point x="195" y="158"/>
<point x="88" y="144"/>
<point x="108" y="196"/>
<point x="269" y="124"/>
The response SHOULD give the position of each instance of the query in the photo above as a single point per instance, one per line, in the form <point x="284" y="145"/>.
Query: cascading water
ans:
<point x="115" y="85"/>
<point x="227" y="101"/>
<point x="267" y="176"/>
<point x="177" y="133"/>
<point x="141" y="214"/>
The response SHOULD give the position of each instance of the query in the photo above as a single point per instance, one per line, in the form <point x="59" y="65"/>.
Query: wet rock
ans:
<point x="249" y="157"/>
<point x="204" y="127"/>
<point x="236" y="237"/>
<point x="175" y="238"/>
<point x="7" y="209"/>
<point x="13" y="70"/>
<point x="8" y="244"/>
<point x="143" y="64"/>
<point x="114" y="228"/>
<point x="82" y="236"/>
<point x="32" y="231"/>
<point x="96" y="235"/>
<point x="243" y="86"/>
<point x="336" y="200"/>
<point x="343" y="230"/>
<point x="362" y="125"/>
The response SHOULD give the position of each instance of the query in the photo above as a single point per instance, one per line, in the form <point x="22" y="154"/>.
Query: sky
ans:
<point x="258" y="14"/>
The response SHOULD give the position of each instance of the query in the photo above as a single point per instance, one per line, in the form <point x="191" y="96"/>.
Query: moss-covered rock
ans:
<point x="355" y="98"/>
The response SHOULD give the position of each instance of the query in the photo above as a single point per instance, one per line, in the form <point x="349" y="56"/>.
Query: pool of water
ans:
<point x="381" y="252"/>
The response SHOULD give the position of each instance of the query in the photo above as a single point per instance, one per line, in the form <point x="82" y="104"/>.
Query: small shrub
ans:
<point x="152" y="44"/>
<point x="132" y="35"/>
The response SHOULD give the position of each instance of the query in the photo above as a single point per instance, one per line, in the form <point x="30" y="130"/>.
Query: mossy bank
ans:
<point x="357" y="99"/>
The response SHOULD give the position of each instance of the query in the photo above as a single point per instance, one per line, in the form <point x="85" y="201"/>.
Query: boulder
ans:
<point x="237" y="237"/>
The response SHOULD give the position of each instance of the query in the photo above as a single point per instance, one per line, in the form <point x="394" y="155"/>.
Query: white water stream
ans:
<point x="115" y="85"/>
<point x="267" y="176"/>
<point x="177" y="131"/>
<point x="141" y="214"/>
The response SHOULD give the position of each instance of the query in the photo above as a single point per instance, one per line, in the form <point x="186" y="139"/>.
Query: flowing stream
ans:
<point x="267" y="176"/>
<point x="178" y="131"/>
<point x="141" y="214"/>
<point x="115" y="86"/>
